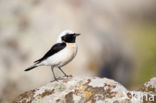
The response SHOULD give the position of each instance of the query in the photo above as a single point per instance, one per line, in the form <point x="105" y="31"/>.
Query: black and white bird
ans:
<point x="60" y="53"/>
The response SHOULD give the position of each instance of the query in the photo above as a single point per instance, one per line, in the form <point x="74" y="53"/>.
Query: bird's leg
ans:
<point x="52" y="69"/>
<point x="64" y="73"/>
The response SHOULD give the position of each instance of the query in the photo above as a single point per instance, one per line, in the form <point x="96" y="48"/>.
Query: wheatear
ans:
<point x="60" y="53"/>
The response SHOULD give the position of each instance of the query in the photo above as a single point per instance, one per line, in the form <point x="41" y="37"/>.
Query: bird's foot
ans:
<point x="57" y="79"/>
<point x="54" y="80"/>
<point x="67" y="76"/>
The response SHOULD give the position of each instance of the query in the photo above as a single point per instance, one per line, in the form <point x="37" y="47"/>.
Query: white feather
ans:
<point x="62" y="57"/>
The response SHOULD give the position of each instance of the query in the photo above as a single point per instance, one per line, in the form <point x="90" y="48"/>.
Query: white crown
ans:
<point x="62" y="34"/>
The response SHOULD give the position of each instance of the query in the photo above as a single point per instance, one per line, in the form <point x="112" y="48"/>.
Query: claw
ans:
<point x="68" y="76"/>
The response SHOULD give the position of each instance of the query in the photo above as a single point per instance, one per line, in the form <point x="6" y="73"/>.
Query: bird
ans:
<point x="60" y="54"/>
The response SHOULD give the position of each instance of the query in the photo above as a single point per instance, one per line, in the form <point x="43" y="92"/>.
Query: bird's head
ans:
<point x="68" y="36"/>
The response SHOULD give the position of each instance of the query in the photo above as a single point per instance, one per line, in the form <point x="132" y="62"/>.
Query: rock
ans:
<point x="88" y="90"/>
<point x="149" y="86"/>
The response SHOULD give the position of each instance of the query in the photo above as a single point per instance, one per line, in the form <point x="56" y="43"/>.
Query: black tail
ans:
<point x="32" y="67"/>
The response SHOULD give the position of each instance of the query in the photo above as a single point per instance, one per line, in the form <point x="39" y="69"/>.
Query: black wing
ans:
<point x="55" y="48"/>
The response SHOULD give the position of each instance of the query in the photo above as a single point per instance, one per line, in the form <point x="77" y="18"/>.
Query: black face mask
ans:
<point x="70" y="38"/>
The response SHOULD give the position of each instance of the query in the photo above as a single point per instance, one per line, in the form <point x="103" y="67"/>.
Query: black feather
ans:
<point x="56" y="48"/>
<point x="32" y="67"/>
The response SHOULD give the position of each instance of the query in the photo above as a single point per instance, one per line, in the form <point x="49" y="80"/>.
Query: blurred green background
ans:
<point x="118" y="41"/>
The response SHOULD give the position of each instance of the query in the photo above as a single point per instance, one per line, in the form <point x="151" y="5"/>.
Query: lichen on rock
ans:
<point x="86" y="90"/>
<point x="149" y="86"/>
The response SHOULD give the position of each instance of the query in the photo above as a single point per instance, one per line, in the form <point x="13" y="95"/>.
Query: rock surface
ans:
<point x="89" y="90"/>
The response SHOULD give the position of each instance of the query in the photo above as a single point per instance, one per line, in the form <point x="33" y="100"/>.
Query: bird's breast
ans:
<point x="69" y="54"/>
<point x="72" y="48"/>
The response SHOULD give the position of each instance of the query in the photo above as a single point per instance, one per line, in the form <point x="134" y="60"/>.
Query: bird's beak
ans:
<point x="76" y="34"/>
